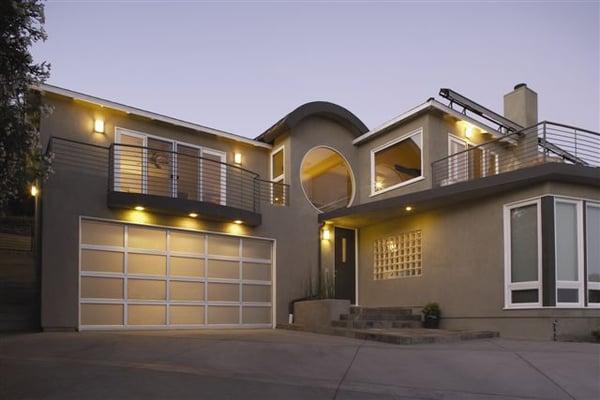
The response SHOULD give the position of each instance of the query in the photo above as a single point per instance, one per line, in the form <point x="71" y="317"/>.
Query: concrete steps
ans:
<point x="408" y="336"/>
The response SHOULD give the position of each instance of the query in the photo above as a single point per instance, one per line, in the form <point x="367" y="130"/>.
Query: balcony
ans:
<point x="168" y="182"/>
<point x="546" y="142"/>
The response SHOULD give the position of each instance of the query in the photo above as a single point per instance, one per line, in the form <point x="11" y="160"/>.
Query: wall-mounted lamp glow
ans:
<point x="237" y="158"/>
<point x="193" y="215"/>
<point x="326" y="234"/>
<point x="238" y="221"/>
<point x="378" y="185"/>
<point x="34" y="190"/>
<point x="138" y="208"/>
<point x="408" y="208"/>
<point x="99" y="125"/>
<point x="469" y="132"/>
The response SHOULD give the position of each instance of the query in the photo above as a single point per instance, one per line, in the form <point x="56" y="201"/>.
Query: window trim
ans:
<point x="281" y="177"/>
<point x="456" y="139"/>
<point x="587" y="284"/>
<point x="509" y="286"/>
<point x="390" y="143"/>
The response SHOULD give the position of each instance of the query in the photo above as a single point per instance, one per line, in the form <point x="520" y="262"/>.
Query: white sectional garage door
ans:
<point x="141" y="277"/>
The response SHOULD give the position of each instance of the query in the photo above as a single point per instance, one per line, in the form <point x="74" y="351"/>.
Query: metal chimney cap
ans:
<point x="520" y="85"/>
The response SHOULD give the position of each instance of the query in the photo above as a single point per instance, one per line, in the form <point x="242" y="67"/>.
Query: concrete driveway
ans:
<point x="288" y="365"/>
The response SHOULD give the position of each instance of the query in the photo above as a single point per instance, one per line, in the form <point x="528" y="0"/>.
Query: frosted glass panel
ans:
<point x="256" y="249"/>
<point x="593" y="243"/>
<point x="190" y="291"/>
<point x="146" y="315"/>
<point x="183" y="266"/>
<point x="139" y="289"/>
<point x="187" y="242"/>
<point x="223" y="292"/>
<point x="566" y="242"/>
<point x="256" y="315"/>
<point x="223" y="246"/>
<point x="101" y="314"/>
<point x="524" y="244"/>
<point x="101" y="261"/>
<point x="256" y="293"/>
<point x="101" y="288"/>
<point x="146" y="264"/>
<point x="257" y="272"/>
<point x="101" y="233"/>
<point x="145" y="238"/>
<point x="223" y="269"/>
<point x="223" y="315"/>
<point x="186" y="314"/>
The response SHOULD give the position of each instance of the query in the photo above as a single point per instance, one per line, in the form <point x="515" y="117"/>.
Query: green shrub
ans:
<point x="596" y="335"/>
<point x="432" y="310"/>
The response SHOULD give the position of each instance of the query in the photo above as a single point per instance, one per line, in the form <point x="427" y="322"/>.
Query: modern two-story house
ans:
<point x="151" y="222"/>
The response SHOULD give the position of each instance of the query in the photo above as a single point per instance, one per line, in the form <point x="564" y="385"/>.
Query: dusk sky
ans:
<point x="241" y="66"/>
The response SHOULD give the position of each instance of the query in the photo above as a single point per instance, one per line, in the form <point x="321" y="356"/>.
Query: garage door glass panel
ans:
<point x="146" y="238"/>
<point x="146" y="315"/>
<point x="223" y="246"/>
<point x="101" y="288"/>
<point x="101" y="261"/>
<point x="223" y="292"/>
<point x="256" y="249"/>
<point x="223" y="269"/>
<point x="184" y="266"/>
<point x="146" y="264"/>
<point x="186" y="315"/>
<point x="223" y="315"/>
<point x="101" y="233"/>
<point x="256" y="293"/>
<point x="187" y="242"/>
<point x="186" y="291"/>
<point x="256" y="315"/>
<point x="102" y="314"/>
<point x="140" y="289"/>
<point x="256" y="272"/>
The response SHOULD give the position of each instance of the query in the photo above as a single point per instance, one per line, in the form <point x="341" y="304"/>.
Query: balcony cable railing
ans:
<point x="166" y="173"/>
<point x="542" y="143"/>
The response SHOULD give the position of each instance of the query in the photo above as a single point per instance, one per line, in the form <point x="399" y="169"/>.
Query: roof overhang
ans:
<point x="445" y="196"/>
<point x="45" y="88"/>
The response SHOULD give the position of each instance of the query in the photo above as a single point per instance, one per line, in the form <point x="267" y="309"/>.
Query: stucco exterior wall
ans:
<point x="463" y="267"/>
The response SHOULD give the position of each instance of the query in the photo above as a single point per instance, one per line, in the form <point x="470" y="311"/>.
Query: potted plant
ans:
<point x="431" y="316"/>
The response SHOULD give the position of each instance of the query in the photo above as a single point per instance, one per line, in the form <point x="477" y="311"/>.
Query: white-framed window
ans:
<point x="522" y="254"/>
<point x="397" y="163"/>
<point x="458" y="165"/>
<point x="592" y="247"/>
<point x="277" y="173"/>
<point x="568" y="246"/>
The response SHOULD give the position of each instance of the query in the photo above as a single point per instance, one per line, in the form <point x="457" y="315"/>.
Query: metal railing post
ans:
<point x="545" y="152"/>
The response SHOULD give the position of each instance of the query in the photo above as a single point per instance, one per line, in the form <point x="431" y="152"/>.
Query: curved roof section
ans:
<point x="316" y="108"/>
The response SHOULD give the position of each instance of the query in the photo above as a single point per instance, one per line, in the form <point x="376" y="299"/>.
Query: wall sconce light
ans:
<point x="326" y="234"/>
<point x="34" y="190"/>
<point x="237" y="158"/>
<point x="468" y="132"/>
<point x="193" y="215"/>
<point x="238" y="222"/>
<point x="99" y="125"/>
<point x="139" y="208"/>
<point x="408" y="208"/>
<point x="378" y="184"/>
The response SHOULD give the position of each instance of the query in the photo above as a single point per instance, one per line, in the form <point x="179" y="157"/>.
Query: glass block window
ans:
<point x="398" y="256"/>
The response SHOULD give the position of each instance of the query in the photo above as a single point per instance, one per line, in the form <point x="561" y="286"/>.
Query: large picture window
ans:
<point x="568" y="246"/>
<point x="592" y="225"/>
<point x="397" y="163"/>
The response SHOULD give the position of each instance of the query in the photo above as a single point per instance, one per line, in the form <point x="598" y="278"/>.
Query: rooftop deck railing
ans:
<point x="161" y="172"/>
<point x="545" y="142"/>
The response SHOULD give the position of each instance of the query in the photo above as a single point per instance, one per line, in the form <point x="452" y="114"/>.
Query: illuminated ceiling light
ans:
<point x="238" y="221"/>
<point x="138" y="208"/>
<point x="34" y="190"/>
<point x="468" y="132"/>
<point x="193" y="215"/>
<point x="408" y="208"/>
<point x="326" y="234"/>
<point x="237" y="158"/>
<point x="378" y="185"/>
<point x="99" y="125"/>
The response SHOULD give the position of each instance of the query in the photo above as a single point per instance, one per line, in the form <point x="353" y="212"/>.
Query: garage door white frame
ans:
<point x="167" y="278"/>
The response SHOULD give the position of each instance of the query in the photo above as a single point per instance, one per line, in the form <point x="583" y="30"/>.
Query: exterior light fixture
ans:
<point x="238" y="221"/>
<point x="138" y="208"/>
<point x="34" y="190"/>
<point x="193" y="215"/>
<point x="237" y="158"/>
<point x="468" y="132"/>
<point x="326" y="235"/>
<point x="408" y="208"/>
<point x="378" y="185"/>
<point x="99" y="125"/>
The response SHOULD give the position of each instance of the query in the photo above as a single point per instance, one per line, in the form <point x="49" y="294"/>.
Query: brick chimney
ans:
<point x="521" y="106"/>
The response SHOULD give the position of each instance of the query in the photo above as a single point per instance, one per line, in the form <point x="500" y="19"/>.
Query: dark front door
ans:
<point x="345" y="279"/>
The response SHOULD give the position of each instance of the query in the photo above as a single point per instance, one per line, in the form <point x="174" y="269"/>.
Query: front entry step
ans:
<point x="412" y="335"/>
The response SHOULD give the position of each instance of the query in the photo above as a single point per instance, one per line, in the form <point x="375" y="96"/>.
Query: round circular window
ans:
<point x="326" y="179"/>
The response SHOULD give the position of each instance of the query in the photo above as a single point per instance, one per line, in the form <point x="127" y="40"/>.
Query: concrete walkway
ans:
<point x="288" y="365"/>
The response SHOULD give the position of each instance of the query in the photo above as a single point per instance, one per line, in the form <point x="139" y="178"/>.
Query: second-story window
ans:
<point x="397" y="163"/>
<point x="278" y="176"/>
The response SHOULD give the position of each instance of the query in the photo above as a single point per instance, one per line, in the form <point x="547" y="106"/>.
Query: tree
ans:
<point x="21" y="159"/>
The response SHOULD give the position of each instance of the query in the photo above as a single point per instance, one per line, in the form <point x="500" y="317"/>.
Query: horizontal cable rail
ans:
<point x="162" y="172"/>
<point x="542" y="143"/>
